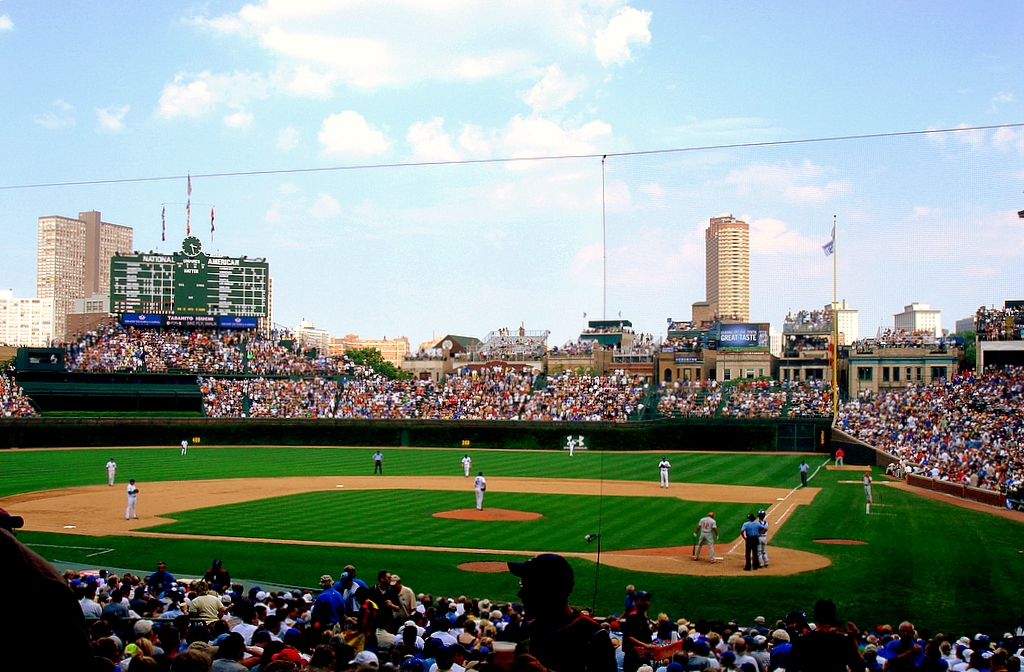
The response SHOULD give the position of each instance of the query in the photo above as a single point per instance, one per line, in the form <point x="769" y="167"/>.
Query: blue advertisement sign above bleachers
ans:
<point x="142" y="320"/>
<point x="237" y="323"/>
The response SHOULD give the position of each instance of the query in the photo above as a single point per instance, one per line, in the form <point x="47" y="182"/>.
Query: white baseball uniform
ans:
<point x="111" y="470"/>
<point x="479" y="485"/>
<point x="664" y="466"/>
<point x="184" y="446"/>
<point x="467" y="462"/>
<point x="133" y="492"/>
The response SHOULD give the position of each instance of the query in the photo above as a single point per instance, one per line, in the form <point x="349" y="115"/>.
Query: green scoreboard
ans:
<point x="189" y="282"/>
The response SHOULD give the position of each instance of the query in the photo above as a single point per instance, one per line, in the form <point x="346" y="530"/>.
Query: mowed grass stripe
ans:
<point x="407" y="518"/>
<point x="27" y="471"/>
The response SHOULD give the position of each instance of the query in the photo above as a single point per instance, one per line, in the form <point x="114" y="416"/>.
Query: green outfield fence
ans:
<point x="714" y="434"/>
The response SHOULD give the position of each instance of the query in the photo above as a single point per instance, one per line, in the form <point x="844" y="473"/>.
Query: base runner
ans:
<point x="707" y="528"/>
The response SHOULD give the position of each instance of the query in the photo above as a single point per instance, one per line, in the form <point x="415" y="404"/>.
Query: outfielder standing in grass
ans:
<point x="378" y="463"/>
<point x="111" y="470"/>
<point x="184" y="446"/>
<point x="867" y="491"/>
<point x="664" y="466"/>
<point x="467" y="462"/>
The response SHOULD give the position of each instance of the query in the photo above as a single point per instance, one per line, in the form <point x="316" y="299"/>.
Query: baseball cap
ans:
<point x="9" y="522"/>
<point x="289" y="654"/>
<point x="365" y="659"/>
<point x="547" y="570"/>
<point x="644" y="595"/>
<point x="143" y="627"/>
<point x="761" y="514"/>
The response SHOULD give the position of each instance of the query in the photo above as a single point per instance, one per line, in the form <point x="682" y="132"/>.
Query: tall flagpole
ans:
<point x="835" y="325"/>
<point x="604" y="250"/>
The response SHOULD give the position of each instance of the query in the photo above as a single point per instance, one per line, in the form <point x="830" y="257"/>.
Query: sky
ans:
<point x="129" y="91"/>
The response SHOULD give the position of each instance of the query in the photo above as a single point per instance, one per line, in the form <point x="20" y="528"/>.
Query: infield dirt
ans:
<point x="97" y="510"/>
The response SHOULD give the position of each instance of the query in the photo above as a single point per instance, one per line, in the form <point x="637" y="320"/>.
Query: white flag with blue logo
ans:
<point x="830" y="247"/>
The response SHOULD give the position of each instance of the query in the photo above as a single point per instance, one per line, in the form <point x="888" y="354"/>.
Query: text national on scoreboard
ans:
<point x="189" y="283"/>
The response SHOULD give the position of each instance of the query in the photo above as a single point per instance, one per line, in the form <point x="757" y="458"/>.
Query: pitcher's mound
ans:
<point x="489" y="567"/>
<point x="842" y="542"/>
<point x="487" y="514"/>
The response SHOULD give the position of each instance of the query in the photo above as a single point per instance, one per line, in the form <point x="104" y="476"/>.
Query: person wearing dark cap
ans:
<point x="558" y="636"/>
<point x="636" y="633"/>
<point x="750" y="532"/>
<point x="825" y="648"/>
<point x="217" y="577"/>
<point x="41" y="596"/>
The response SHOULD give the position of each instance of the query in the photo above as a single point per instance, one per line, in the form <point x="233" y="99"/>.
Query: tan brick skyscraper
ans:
<point x="73" y="259"/>
<point x="727" y="267"/>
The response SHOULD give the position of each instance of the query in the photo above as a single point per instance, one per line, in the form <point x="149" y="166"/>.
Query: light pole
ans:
<point x="597" y="571"/>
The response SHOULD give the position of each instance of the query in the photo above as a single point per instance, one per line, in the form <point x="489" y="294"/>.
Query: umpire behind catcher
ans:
<point x="558" y="636"/>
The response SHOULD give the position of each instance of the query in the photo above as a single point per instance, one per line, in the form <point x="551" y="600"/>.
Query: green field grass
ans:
<point x="30" y="470"/>
<point x="566" y="520"/>
<point x="941" y="566"/>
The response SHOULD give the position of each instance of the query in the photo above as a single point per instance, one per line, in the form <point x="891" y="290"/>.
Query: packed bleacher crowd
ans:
<point x="993" y="324"/>
<point x="968" y="429"/>
<point x="808" y="321"/>
<point x="137" y="623"/>
<point x="756" y="399"/>
<point x="120" y="349"/>
<point x="13" y="402"/>
<point x="797" y="343"/>
<point x="689" y="399"/>
<point x="572" y="397"/>
<point x="808" y="399"/>
<point x="583" y="346"/>
<point x="896" y="338"/>
<point x="508" y="343"/>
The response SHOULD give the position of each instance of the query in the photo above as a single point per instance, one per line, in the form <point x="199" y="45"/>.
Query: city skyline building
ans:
<point x="25" y="322"/>
<point x="919" y="317"/>
<point x="73" y="259"/>
<point x="727" y="268"/>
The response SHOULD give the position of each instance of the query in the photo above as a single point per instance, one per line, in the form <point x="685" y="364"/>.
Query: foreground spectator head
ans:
<point x="825" y="612"/>
<point x="191" y="660"/>
<point x="365" y="660"/>
<point x="9" y="522"/>
<point x="545" y="582"/>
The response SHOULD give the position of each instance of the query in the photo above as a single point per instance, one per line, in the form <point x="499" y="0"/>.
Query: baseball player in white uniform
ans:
<point x="467" y="462"/>
<point x="184" y="446"/>
<point x="111" y="470"/>
<point x="133" y="493"/>
<point x="762" y="539"/>
<point x="664" y="466"/>
<point x="480" y="485"/>
<point x="867" y="491"/>
<point x="707" y="528"/>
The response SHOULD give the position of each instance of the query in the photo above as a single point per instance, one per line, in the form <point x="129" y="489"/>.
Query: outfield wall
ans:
<point x="794" y="435"/>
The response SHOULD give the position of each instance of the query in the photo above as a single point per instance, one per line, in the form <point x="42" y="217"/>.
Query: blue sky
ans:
<point x="101" y="91"/>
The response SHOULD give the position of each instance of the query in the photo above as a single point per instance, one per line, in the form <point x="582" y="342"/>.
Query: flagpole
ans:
<point x="604" y="250"/>
<point x="835" y="325"/>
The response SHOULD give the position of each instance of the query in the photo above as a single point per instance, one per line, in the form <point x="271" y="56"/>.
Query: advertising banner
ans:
<point x="237" y="323"/>
<point x="142" y="320"/>
<point x="743" y="337"/>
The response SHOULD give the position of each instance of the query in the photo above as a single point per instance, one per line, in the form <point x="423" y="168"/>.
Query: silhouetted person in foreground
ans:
<point x="825" y="649"/>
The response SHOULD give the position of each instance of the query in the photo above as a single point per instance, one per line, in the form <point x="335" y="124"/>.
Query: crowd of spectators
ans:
<point x="583" y="346"/>
<point x="13" y="402"/>
<point x="896" y="338"/>
<point x="689" y="399"/>
<point x="572" y="397"/>
<point x="509" y="344"/>
<point x="808" y="399"/>
<point x="968" y="429"/>
<point x="133" y="623"/>
<point x="993" y="324"/>
<point x="755" y="399"/>
<point x="817" y="321"/>
<point x="800" y="343"/>
<point x="121" y="349"/>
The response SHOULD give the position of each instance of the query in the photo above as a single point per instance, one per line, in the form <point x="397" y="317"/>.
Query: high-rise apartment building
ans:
<point x="727" y="268"/>
<point x="25" y="322"/>
<point x="73" y="259"/>
<point x="919" y="317"/>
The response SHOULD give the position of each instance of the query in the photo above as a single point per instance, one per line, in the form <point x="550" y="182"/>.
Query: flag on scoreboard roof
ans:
<point x="188" y="216"/>
<point x="189" y="184"/>
<point x="830" y="247"/>
<point x="212" y="227"/>
<point x="163" y="223"/>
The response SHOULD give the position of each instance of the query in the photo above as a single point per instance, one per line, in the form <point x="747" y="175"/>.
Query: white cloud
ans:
<point x="430" y="142"/>
<point x="325" y="206"/>
<point x="348" y="133"/>
<point x="628" y="27"/>
<point x="973" y="137"/>
<point x="473" y="141"/>
<point x="652" y="189"/>
<point x="6" y="23"/>
<point x="1008" y="138"/>
<point x="533" y="136"/>
<point x="554" y="90"/>
<point x="800" y="184"/>
<point x="999" y="99"/>
<point x="773" y="236"/>
<point x="238" y="119"/>
<point x="288" y="138"/>
<point x="327" y="43"/>
<point x="61" y="117"/>
<point x="196" y="95"/>
<point x="111" y="119"/>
